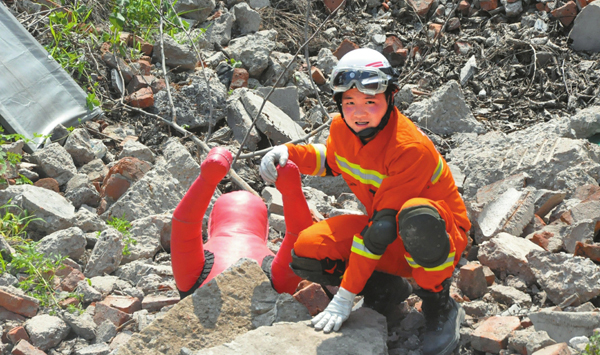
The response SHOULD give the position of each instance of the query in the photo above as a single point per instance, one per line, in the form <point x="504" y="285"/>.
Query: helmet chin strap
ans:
<point x="368" y="133"/>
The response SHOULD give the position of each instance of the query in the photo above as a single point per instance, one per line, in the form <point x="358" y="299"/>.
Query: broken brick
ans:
<point x="463" y="48"/>
<point x="147" y="48"/>
<point x="421" y="7"/>
<point x="48" y="183"/>
<point x="155" y="303"/>
<point x="145" y="67"/>
<point x="345" y="47"/>
<point x="590" y="251"/>
<point x="472" y="281"/>
<point x="540" y="6"/>
<point x="23" y="305"/>
<point x="16" y="334"/>
<point x="239" y="79"/>
<point x="69" y="282"/>
<point x="492" y="334"/>
<point x="317" y="76"/>
<point x="453" y="24"/>
<point x="142" y="98"/>
<point x="333" y="4"/>
<point x="392" y="45"/>
<point x="490" y="277"/>
<point x="488" y="5"/>
<point x="556" y="349"/>
<point x="464" y="7"/>
<point x="25" y="348"/>
<point x="313" y="298"/>
<point x="126" y="304"/>
<point x="104" y="312"/>
<point x="434" y="30"/>
<point x="582" y="3"/>
<point x="71" y="301"/>
<point x="566" y="13"/>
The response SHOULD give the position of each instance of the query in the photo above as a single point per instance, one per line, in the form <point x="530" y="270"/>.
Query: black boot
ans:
<point x="383" y="291"/>
<point x="443" y="317"/>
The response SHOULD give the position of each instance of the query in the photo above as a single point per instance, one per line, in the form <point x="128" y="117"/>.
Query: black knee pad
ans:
<point x="325" y="272"/>
<point x="423" y="232"/>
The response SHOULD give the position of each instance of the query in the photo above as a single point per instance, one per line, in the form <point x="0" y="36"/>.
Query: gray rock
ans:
<point x="259" y="4"/>
<point x="90" y="294"/>
<point x="59" y="134"/>
<point x="95" y="349"/>
<point x="239" y="120"/>
<point x="106" y="255"/>
<point x="177" y="56"/>
<point x="113" y="60"/>
<point x="7" y="279"/>
<point x="326" y="61"/>
<point x="446" y="112"/>
<point x="468" y="71"/>
<point x="586" y="28"/>
<point x="480" y="309"/>
<point x="46" y="331"/>
<point x="155" y="193"/>
<point x="104" y="284"/>
<point x="561" y="275"/>
<point x="227" y="306"/>
<point x="135" y="270"/>
<point x="302" y="82"/>
<point x="6" y="249"/>
<point x="365" y="332"/>
<point x="105" y="332"/>
<point x="286" y="99"/>
<point x="180" y="163"/>
<point x="528" y="340"/>
<point x="82" y="324"/>
<point x="219" y="30"/>
<point x="80" y="191"/>
<point x="192" y="104"/>
<point x="198" y="10"/>
<point x="273" y="199"/>
<point x="88" y="221"/>
<point x="69" y="242"/>
<point x="79" y="145"/>
<point x="137" y="150"/>
<point x="246" y="19"/>
<point x="95" y="170"/>
<point x="273" y="122"/>
<point x="52" y="211"/>
<point x="278" y="62"/>
<point x="582" y="231"/>
<point x="332" y="186"/>
<point x="510" y="295"/>
<point x="585" y="123"/>
<point x="253" y="51"/>
<point x="562" y="326"/>
<point x="512" y="9"/>
<point x="148" y="233"/>
<point x="54" y="161"/>
<point x="507" y="253"/>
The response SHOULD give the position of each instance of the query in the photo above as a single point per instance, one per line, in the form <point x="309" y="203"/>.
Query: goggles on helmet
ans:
<point x="369" y="81"/>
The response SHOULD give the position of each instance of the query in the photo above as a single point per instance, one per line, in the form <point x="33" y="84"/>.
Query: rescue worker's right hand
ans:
<point x="268" y="169"/>
<point x="336" y="312"/>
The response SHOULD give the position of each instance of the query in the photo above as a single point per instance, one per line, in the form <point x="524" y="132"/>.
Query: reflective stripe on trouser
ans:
<point x="334" y="238"/>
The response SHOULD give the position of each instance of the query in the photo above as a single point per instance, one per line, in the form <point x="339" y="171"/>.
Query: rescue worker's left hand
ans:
<point x="336" y="312"/>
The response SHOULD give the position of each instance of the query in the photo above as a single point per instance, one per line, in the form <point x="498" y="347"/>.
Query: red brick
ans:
<point x="490" y="277"/>
<point x="540" y="6"/>
<point x="125" y="172"/>
<point x="317" y="76"/>
<point x="48" y="183"/>
<point x="313" y="298"/>
<point x="126" y="304"/>
<point x="463" y="48"/>
<point x="24" y="348"/>
<point x="567" y="218"/>
<point x="345" y="47"/>
<point x="147" y="48"/>
<point x="385" y="6"/>
<point x="145" y="58"/>
<point x="104" y="312"/>
<point x="542" y="238"/>
<point x="139" y="82"/>
<point x="239" y="79"/>
<point x="526" y="323"/>
<point x="69" y="282"/>
<point x="590" y="251"/>
<point x="71" y="301"/>
<point x="158" y="85"/>
<point x="492" y="335"/>
<point x="105" y="47"/>
<point x="453" y="24"/>
<point x="392" y="45"/>
<point x="421" y="7"/>
<point x="333" y="4"/>
<point x="464" y="7"/>
<point x="488" y="5"/>
<point x="5" y="314"/>
<point x="556" y="349"/>
<point x="142" y="98"/>
<point x="566" y="13"/>
<point x="25" y="306"/>
<point x="115" y="187"/>
<point x="145" y="67"/>
<point x="16" y="334"/>
<point x="155" y="303"/>
<point x="586" y="191"/>
<point x="63" y="271"/>
<point x="472" y="281"/>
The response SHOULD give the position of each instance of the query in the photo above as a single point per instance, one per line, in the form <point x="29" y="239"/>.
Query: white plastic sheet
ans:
<point x="36" y="94"/>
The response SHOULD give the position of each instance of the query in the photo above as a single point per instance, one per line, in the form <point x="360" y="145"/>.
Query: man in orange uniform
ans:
<point x="416" y="224"/>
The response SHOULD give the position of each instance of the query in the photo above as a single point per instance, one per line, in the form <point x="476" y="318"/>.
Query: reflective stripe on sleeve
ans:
<point x="448" y="263"/>
<point x="366" y="176"/>
<point x="358" y="247"/>
<point x="321" y="150"/>
<point x="438" y="171"/>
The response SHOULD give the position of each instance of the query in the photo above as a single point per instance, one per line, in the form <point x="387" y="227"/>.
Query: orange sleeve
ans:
<point x="312" y="159"/>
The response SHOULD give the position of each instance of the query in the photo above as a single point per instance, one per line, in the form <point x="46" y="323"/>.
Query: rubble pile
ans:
<point x="508" y="91"/>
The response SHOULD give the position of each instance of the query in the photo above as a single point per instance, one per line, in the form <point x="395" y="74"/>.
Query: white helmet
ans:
<point x="364" y="68"/>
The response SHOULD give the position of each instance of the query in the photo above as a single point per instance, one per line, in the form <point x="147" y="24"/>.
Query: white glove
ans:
<point x="268" y="170"/>
<point x="336" y="312"/>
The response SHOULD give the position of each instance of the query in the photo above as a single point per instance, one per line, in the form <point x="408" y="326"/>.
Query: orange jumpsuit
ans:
<point x="398" y="168"/>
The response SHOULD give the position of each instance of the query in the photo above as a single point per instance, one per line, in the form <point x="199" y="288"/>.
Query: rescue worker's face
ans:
<point x="362" y="111"/>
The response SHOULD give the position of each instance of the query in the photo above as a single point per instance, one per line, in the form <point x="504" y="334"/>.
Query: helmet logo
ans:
<point x="375" y="64"/>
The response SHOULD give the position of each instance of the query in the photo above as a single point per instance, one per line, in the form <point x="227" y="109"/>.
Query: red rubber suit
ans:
<point x="237" y="228"/>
